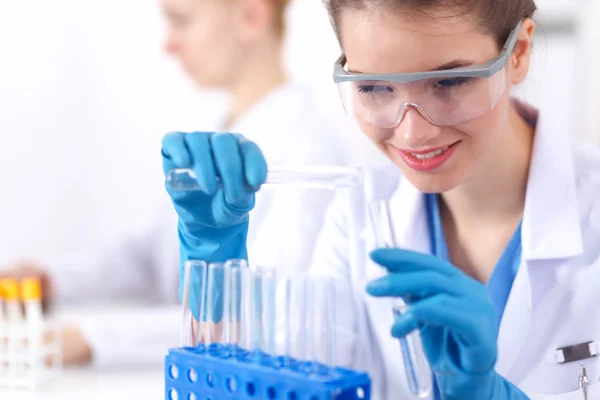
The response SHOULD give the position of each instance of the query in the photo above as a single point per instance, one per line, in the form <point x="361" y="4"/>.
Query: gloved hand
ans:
<point x="456" y="320"/>
<point x="213" y="222"/>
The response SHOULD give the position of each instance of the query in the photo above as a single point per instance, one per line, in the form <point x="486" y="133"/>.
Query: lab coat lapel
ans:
<point x="550" y="230"/>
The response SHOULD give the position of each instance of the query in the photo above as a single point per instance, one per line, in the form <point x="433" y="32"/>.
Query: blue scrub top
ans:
<point x="503" y="276"/>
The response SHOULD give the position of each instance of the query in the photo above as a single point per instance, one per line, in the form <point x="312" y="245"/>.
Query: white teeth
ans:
<point x="431" y="154"/>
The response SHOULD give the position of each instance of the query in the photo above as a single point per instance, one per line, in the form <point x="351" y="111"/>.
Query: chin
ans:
<point x="433" y="185"/>
<point x="204" y="83"/>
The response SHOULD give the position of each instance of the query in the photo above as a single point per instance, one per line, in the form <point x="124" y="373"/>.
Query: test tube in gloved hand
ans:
<point x="416" y="367"/>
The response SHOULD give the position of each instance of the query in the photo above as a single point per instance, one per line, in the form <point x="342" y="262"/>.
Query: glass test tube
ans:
<point x="216" y="299"/>
<point x="416" y="367"/>
<point x="295" y="295"/>
<point x="233" y="300"/>
<point x="258" y="303"/>
<point x="193" y="298"/>
<point x="330" y="178"/>
<point x="321" y="320"/>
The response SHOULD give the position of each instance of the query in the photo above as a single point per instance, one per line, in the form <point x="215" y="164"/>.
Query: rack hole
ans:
<point x="211" y="379"/>
<point x="173" y="395"/>
<point x="292" y="396"/>
<point x="193" y="375"/>
<point x="271" y="392"/>
<point x="173" y="371"/>
<point x="360" y="393"/>
<point x="231" y="384"/>
<point x="250" y="389"/>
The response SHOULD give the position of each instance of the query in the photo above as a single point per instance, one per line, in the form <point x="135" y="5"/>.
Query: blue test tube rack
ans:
<point x="226" y="372"/>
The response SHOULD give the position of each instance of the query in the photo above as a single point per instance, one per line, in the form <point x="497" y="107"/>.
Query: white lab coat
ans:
<point x="555" y="299"/>
<point x="292" y="131"/>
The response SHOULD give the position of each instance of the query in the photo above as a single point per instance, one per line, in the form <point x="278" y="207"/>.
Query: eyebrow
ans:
<point x="453" y="64"/>
<point x="459" y="63"/>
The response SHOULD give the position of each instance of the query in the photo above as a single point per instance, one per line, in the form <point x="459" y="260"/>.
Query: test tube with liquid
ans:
<point x="193" y="298"/>
<point x="416" y="367"/>
<point x="331" y="177"/>
<point x="216" y="299"/>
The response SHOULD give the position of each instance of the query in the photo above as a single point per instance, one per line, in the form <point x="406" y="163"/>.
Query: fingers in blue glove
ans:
<point x="417" y="283"/>
<point x="414" y="274"/>
<point x="401" y="260"/>
<point x="230" y="165"/>
<point x="255" y="166"/>
<point x="175" y="152"/>
<point x="191" y="150"/>
<point x="237" y="161"/>
<point x="461" y="315"/>
<point x="231" y="169"/>
<point x="203" y="165"/>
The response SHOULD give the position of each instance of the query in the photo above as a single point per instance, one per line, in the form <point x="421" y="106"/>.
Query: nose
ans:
<point x="414" y="130"/>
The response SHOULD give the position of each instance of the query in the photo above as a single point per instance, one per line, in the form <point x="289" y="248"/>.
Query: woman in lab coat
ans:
<point x="231" y="45"/>
<point x="496" y="214"/>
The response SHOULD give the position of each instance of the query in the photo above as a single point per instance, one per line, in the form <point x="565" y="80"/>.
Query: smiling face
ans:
<point x="433" y="158"/>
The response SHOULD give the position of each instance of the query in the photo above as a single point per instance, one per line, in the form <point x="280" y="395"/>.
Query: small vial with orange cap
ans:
<point x="10" y="290"/>
<point x="31" y="295"/>
<point x="3" y="340"/>
<point x="2" y="323"/>
<point x="13" y="317"/>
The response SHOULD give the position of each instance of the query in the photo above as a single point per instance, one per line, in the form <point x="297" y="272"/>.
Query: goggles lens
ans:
<point x="442" y="101"/>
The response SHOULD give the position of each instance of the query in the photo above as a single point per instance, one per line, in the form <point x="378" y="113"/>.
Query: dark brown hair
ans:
<point x="496" y="17"/>
<point x="280" y="9"/>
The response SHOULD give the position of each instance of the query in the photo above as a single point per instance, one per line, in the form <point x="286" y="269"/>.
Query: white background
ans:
<point x="86" y="95"/>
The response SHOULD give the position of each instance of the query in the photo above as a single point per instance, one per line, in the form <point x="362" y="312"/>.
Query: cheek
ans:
<point x="206" y="49"/>
<point x="376" y="135"/>
<point x="485" y="132"/>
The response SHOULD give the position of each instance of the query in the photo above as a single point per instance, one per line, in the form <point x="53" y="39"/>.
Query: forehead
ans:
<point x="187" y="5"/>
<point x="391" y="42"/>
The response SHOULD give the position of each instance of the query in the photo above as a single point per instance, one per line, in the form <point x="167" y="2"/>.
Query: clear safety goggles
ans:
<point x="444" y="98"/>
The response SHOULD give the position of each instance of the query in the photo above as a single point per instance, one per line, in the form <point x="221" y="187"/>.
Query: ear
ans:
<point x="521" y="57"/>
<point x="253" y="18"/>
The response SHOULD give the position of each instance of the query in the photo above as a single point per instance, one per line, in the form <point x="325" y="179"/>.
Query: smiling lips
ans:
<point x="429" y="159"/>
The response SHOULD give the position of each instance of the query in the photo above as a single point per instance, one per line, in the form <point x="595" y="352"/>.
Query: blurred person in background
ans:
<point x="236" y="46"/>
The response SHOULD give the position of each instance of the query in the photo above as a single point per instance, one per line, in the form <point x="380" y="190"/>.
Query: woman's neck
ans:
<point x="261" y="73"/>
<point x="480" y="217"/>
<point x="498" y="193"/>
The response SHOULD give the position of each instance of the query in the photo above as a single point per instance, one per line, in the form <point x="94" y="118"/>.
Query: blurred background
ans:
<point x="86" y="93"/>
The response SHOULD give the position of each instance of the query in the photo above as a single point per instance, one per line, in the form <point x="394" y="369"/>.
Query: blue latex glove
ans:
<point x="213" y="222"/>
<point x="456" y="320"/>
